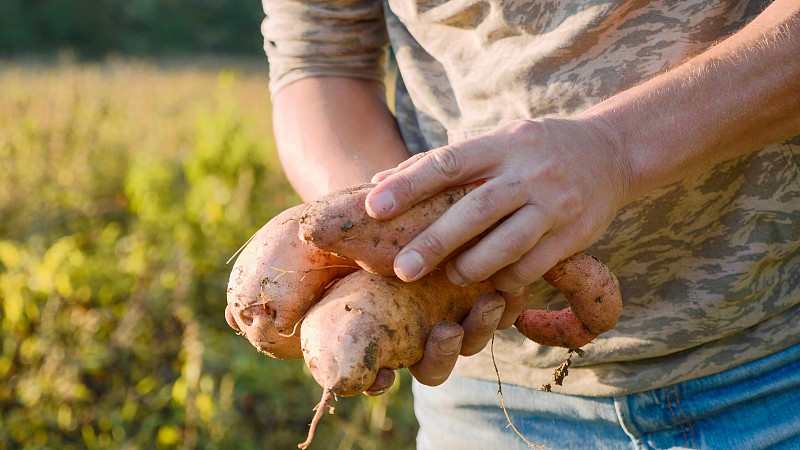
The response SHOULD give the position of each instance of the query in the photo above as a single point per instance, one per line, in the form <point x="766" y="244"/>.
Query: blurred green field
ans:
<point x="124" y="188"/>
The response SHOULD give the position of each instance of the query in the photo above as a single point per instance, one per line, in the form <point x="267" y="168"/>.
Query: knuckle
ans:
<point x="522" y="129"/>
<point x="482" y="322"/>
<point x="557" y="254"/>
<point x="581" y="232"/>
<point x="512" y="278"/>
<point x="466" y="271"/>
<point x="447" y="162"/>
<point x="573" y="203"/>
<point x="516" y="298"/>
<point x="518" y="275"/>
<point x="432" y="245"/>
<point x="481" y="203"/>
<point x="557" y="168"/>
<point x="551" y="170"/>
<point x="406" y="187"/>
<point x="517" y="243"/>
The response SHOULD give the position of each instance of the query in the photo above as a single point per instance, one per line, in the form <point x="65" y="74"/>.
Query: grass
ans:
<point x="124" y="188"/>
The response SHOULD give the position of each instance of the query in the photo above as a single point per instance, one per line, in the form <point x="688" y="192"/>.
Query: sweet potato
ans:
<point x="593" y="294"/>
<point x="367" y="322"/>
<point x="339" y="223"/>
<point x="274" y="282"/>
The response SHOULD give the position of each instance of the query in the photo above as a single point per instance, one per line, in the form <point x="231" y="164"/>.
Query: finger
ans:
<point x="383" y="382"/>
<point x="380" y="176"/>
<point x="424" y="176"/>
<point x="229" y="318"/>
<point x="441" y="354"/>
<point x="531" y="266"/>
<point x="504" y="245"/>
<point x="467" y="218"/>
<point x="516" y="302"/>
<point x="481" y="322"/>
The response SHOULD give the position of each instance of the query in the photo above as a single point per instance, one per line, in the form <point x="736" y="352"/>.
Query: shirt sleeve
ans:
<point x="304" y="38"/>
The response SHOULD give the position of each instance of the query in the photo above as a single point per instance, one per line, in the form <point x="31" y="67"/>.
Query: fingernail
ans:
<point x="493" y="316"/>
<point x="380" y="204"/>
<point x="454" y="276"/>
<point x="378" y="391"/>
<point x="451" y="345"/>
<point x="408" y="265"/>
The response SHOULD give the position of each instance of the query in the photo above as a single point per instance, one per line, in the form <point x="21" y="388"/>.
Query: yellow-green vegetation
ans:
<point x="124" y="189"/>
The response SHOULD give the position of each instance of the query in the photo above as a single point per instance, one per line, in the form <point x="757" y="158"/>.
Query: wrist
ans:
<point x="607" y="139"/>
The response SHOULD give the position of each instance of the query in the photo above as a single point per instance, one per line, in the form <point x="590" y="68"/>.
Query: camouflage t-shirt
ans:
<point x="709" y="266"/>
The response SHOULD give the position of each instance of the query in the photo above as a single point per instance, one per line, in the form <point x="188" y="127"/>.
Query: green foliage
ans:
<point x="138" y="27"/>
<point x="123" y="191"/>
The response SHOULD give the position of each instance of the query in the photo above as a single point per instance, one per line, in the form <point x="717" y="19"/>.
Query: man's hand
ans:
<point x="554" y="185"/>
<point x="551" y="188"/>
<point x="448" y="340"/>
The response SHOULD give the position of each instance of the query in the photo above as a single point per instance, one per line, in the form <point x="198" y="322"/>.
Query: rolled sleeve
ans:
<point x="304" y="38"/>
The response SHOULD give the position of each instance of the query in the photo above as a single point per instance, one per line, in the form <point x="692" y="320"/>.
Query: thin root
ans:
<point x="327" y="396"/>
<point x="294" y="328"/>
<point x="333" y="281"/>
<point x="241" y="248"/>
<point x="306" y="272"/>
<point x="503" y="403"/>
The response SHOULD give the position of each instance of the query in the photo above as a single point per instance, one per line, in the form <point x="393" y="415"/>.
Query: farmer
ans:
<point x="661" y="136"/>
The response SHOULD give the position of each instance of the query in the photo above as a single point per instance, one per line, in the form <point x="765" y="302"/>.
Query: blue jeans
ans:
<point x="756" y="405"/>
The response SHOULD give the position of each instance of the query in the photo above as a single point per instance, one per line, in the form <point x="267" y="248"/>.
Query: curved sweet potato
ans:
<point x="595" y="304"/>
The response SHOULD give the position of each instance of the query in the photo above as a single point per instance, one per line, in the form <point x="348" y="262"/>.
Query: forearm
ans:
<point x="337" y="132"/>
<point x="334" y="132"/>
<point x="734" y="98"/>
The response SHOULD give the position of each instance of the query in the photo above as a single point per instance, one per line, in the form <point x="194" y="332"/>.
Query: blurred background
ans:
<point x="136" y="156"/>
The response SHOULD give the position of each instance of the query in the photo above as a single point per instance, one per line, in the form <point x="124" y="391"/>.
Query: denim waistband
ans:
<point x="756" y="405"/>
